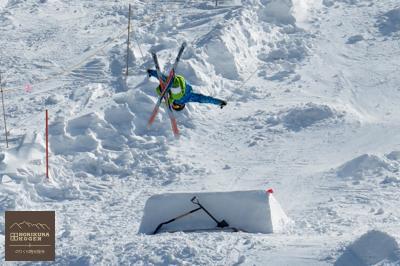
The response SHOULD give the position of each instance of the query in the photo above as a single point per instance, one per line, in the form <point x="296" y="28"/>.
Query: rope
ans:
<point x="101" y="49"/>
<point x="74" y="67"/>
<point x="245" y="82"/>
<point x="138" y="43"/>
<point x="84" y="60"/>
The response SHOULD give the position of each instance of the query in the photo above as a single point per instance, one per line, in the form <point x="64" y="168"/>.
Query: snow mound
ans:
<point x="394" y="156"/>
<point x="287" y="51"/>
<point x="255" y="211"/>
<point x="389" y="22"/>
<point x="285" y="11"/>
<point x="295" y="118"/>
<point x="366" y="165"/>
<point x="230" y="47"/>
<point x="305" y="116"/>
<point x="371" y="248"/>
<point x="279" y="11"/>
<point x="355" y="39"/>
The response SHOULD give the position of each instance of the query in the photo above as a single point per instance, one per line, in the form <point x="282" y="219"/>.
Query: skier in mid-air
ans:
<point x="181" y="92"/>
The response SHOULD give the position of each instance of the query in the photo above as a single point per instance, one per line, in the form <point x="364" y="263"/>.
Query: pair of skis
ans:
<point x="165" y="88"/>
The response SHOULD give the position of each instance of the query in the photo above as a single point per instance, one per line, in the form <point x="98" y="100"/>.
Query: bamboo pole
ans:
<point x="4" y="111"/>
<point x="47" y="144"/>
<point x="128" y="42"/>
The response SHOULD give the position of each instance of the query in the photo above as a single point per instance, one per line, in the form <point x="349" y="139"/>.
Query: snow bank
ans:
<point x="389" y="22"/>
<point x="371" y="248"/>
<point x="255" y="211"/>
<point x="219" y="55"/>
<point x="266" y="32"/>
<point x="305" y="116"/>
<point x="23" y="180"/>
<point x="368" y="165"/>
<point x="228" y="47"/>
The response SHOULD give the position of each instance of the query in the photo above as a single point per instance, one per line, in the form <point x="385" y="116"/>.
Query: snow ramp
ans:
<point x="254" y="211"/>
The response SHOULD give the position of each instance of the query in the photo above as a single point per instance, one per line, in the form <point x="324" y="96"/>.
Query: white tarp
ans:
<point x="254" y="211"/>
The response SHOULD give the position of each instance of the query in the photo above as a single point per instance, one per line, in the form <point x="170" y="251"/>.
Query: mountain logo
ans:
<point x="30" y="235"/>
<point x="24" y="225"/>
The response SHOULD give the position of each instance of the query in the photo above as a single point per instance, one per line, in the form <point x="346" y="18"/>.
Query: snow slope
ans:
<point x="312" y="89"/>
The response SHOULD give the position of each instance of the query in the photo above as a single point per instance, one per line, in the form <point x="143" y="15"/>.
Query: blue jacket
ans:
<point x="189" y="95"/>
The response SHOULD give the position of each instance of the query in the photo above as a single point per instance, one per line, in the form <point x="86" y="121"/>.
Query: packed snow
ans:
<point x="312" y="89"/>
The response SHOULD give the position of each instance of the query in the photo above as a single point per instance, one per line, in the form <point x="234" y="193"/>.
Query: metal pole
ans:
<point x="47" y="144"/>
<point x="4" y="110"/>
<point x="127" y="45"/>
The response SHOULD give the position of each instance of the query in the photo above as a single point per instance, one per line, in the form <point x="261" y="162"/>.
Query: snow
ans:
<point x="358" y="167"/>
<point x="312" y="89"/>
<point x="389" y="22"/>
<point x="301" y="117"/>
<point x="250" y="211"/>
<point x="354" y="39"/>
<point x="394" y="156"/>
<point x="371" y="248"/>
<point x="277" y="11"/>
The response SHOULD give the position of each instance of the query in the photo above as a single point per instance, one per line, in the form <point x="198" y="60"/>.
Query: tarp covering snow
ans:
<point x="255" y="211"/>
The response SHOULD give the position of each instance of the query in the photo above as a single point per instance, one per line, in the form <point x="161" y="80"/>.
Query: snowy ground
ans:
<point x="312" y="89"/>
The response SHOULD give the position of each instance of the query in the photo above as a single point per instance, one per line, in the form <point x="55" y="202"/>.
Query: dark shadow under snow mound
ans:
<point x="389" y="22"/>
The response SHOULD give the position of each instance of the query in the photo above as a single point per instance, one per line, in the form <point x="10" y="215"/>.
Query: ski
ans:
<point x="165" y="86"/>
<point x="172" y="71"/>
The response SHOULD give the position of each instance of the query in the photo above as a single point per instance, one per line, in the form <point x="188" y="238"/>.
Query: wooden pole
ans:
<point x="47" y="144"/>
<point x="127" y="44"/>
<point x="4" y="111"/>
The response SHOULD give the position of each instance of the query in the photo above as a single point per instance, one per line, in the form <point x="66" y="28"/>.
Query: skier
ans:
<point x="181" y="93"/>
